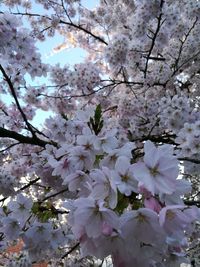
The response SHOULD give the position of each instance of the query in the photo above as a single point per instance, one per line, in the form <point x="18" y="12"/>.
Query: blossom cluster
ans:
<point x="188" y="138"/>
<point x="106" y="175"/>
<point x="18" y="49"/>
<point x="84" y="78"/>
<point x="176" y="111"/>
<point x="112" y="198"/>
<point x="116" y="52"/>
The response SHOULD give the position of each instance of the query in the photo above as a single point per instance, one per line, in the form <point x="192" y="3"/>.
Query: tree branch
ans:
<point x="29" y="184"/>
<point x="9" y="147"/>
<point x="196" y="161"/>
<point x="192" y="202"/>
<point x="71" y="250"/>
<point x="78" y="27"/>
<point x="176" y="67"/>
<point x="55" y="194"/>
<point x="4" y="133"/>
<point x="154" y="38"/>
<point x="8" y="80"/>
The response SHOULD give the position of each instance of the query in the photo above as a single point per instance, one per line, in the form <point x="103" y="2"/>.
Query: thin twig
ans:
<point x="160" y="22"/>
<point x="55" y="194"/>
<point x="8" y="80"/>
<point x="71" y="24"/>
<point x="71" y="250"/>
<point x="8" y="147"/>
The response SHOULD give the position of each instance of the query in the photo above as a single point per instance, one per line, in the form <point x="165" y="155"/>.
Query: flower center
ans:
<point x="125" y="178"/>
<point x="154" y="171"/>
<point x="170" y="215"/>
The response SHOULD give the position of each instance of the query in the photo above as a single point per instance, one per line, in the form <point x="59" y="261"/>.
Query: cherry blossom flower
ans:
<point x="20" y="207"/>
<point x="81" y="158"/>
<point x="11" y="228"/>
<point x="102" y="177"/>
<point x="93" y="216"/>
<point x="77" y="181"/>
<point x="124" y="176"/>
<point x="159" y="170"/>
<point x="176" y="219"/>
<point x="104" y="187"/>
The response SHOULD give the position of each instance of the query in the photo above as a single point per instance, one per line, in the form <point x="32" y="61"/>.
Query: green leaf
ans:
<point x="46" y="215"/>
<point x="96" y="124"/>
<point x="35" y="208"/>
<point x="64" y="116"/>
<point x="122" y="203"/>
<point x="100" y="125"/>
<point x="5" y="210"/>
<point x="44" y="211"/>
<point x="98" y="114"/>
<point x="98" y="158"/>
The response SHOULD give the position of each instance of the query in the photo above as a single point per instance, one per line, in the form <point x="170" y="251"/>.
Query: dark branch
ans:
<point x="71" y="24"/>
<point x="196" y="161"/>
<point x="9" y="147"/>
<point x="8" y="80"/>
<point x="23" y="188"/>
<point x="154" y="38"/>
<point x="192" y="202"/>
<point x="176" y="64"/>
<point x="79" y="27"/>
<point x="71" y="250"/>
<point x="55" y="194"/>
<point x="165" y="139"/>
<point x="4" y="133"/>
<point x="29" y="184"/>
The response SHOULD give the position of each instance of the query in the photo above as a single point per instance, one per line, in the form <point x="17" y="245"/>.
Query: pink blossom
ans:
<point x="123" y="176"/>
<point x="176" y="219"/>
<point x="104" y="187"/>
<point x="153" y="204"/>
<point x="159" y="170"/>
<point x="93" y="215"/>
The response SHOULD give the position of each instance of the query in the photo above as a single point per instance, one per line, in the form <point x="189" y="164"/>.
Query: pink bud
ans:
<point x="152" y="204"/>
<point x="107" y="229"/>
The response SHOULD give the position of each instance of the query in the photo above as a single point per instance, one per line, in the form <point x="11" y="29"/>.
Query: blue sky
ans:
<point x="70" y="55"/>
<point x="67" y="56"/>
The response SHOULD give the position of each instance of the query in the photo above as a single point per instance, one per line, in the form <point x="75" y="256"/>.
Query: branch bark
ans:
<point x="71" y="24"/>
<point x="12" y="89"/>
<point x="4" y="133"/>
<point x="159" y="24"/>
